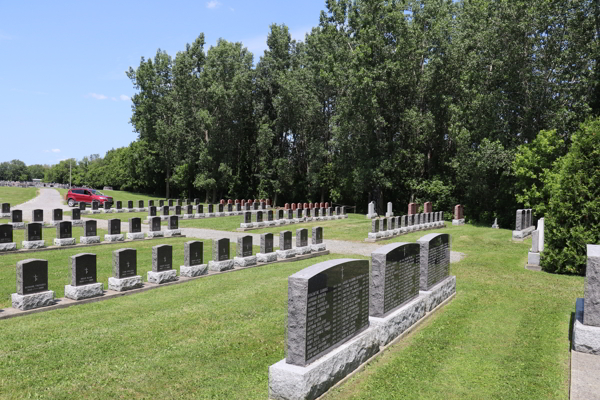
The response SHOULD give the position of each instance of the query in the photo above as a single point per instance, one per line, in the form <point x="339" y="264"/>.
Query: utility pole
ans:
<point x="69" y="174"/>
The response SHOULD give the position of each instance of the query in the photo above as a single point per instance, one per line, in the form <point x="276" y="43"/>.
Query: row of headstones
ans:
<point x="213" y="210"/>
<point x="64" y="230"/>
<point x="25" y="184"/>
<point x="32" y="274"/>
<point x="244" y="258"/>
<point x="291" y="216"/>
<point x="334" y="302"/>
<point x="412" y="209"/>
<point x="391" y="226"/>
<point x="305" y="206"/>
<point x="523" y="219"/>
<point x="37" y="215"/>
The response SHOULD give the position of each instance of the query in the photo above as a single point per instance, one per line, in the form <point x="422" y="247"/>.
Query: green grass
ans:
<point x="504" y="336"/>
<point x="16" y="195"/>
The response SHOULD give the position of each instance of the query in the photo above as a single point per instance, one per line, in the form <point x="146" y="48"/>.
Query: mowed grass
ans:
<point x="504" y="336"/>
<point x="59" y="263"/>
<point x="16" y="195"/>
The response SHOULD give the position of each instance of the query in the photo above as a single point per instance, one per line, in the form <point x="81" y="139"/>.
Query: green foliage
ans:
<point x="573" y="215"/>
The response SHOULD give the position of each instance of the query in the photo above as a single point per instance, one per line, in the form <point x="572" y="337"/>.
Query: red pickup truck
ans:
<point x="83" y="195"/>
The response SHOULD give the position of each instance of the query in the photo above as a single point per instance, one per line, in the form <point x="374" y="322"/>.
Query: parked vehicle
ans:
<point x="83" y="195"/>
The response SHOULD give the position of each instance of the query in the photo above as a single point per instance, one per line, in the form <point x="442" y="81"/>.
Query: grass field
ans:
<point x="16" y="195"/>
<point x="504" y="336"/>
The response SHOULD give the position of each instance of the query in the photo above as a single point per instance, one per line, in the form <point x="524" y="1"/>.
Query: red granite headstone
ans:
<point x="222" y="201"/>
<point x="236" y="201"/>
<point x="229" y="201"/>
<point x="268" y="202"/>
<point x="287" y="206"/>
<point x="458" y="212"/>
<point x="294" y="206"/>
<point x="427" y="207"/>
<point x="322" y="205"/>
<point x="306" y="206"/>
<point x="326" y="205"/>
<point x="299" y="206"/>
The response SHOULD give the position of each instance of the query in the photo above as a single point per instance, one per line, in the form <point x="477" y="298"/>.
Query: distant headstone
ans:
<point x="328" y="303"/>
<point x="140" y="203"/>
<point x="5" y="208"/>
<point x="200" y="209"/>
<point x="114" y="226"/>
<point x="221" y="208"/>
<point x="155" y="224"/>
<point x="95" y="205"/>
<point x="76" y="214"/>
<point x="395" y="277"/>
<point x="150" y="203"/>
<point x="107" y="205"/>
<point x="82" y="205"/>
<point x="177" y="210"/>
<point x="270" y="215"/>
<point x="6" y="233"/>
<point x="375" y="226"/>
<point x="89" y="228"/>
<point x="259" y="216"/>
<point x="285" y="240"/>
<point x="266" y="243"/>
<point x="151" y="211"/>
<point x="211" y="209"/>
<point x="16" y="216"/>
<point x="37" y="215"/>
<point x="130" y="204"/>
<point x="301" y="237"/>
<point x="435" y="259"/>
<point x="64" y="230"/>
<point x="173" y="222"/>
<point x="165" y="210"/>
<point x="135" y="225"/>
<point x="119" y="205"/>
<point x="317" y="235"/>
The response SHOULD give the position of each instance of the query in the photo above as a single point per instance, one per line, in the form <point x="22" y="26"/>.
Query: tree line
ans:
<point x="401" y="101"/>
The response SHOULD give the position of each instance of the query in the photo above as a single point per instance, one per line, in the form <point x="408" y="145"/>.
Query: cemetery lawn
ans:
<point x="505" y="335"/>
<point x="16" y="195"/>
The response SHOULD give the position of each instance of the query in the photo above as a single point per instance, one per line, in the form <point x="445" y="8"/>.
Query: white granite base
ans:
<point x="266" y="257"/>
<point x="522" y="234"/>
<point x="8" y="246"/>
<point x="123" y="284"/>
<point x="18" y="225"/>
<point x="120" y="210"/>
<point x="371" y="216"/>
<point x="155" y="234"/>
<point x="135" y="236"/>
<point x="33" y="244"/>
<point x="164" y="217"/>
<point x="89" y="239"/>
<point x="5" y="215"/>
<point x="318" y="247"/>
<point x="172" y="232"/>
<point x="209" y="215"/>
<point x="198" y="215"/>
<point x="533" y="258"/>
<point x="292" y="382"/>
<point x="195" y="270"/>
<point x="188" y="216"/>
<point x="109" y="211"/>
<point x="303" y="250"/>
<point x="391" y="326"/>
<point x="440" y="292"/>
<point x="283" y="254"/>
<point x="586" y="338"/>
<point x="77" y="222"/>
<point x="30" y="301"/>
<point x="246" y="226"/>
<point x="242" y="262"/>
<point x="162" y="276"/>
<point x="114" y="238"/>
<point x="84" y="291"/>
<point x="64" y="242"/>
<point x="94" y="211"/>
<point x="220" y="265"/>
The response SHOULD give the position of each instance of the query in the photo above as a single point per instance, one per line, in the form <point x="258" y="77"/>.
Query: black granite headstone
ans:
<point x="5" y="208"/>
<point x="220" y="208"/>
<point x="395" y="277"/>
<point x="83" y="269"/>
<point x="82" y="205"/>
<point x="135" y="225"/>
<point x="266" y="243"/>
<point x="16" y="215"/>
<point x="259" y="216"/>
<point x="107" y="205"/>
<point x="161" y="203"/>
<point x="229" y="207"/>
<point x="317" y="235"/>
<point x="33" y="231"/>
<point x="328" y="303"/>
<point x="162" y="258"/>
<point x="151" y="211"/>
<point x="307" y="213"/>
<point x="6" y="233"/>
<point x="270" y="215"/>
<point x="247" y="217"/>
<point x="238" y="207"/>
<point x="177" y="210"/>
<point x="130" y="204"/>
<point x="140" y="203"/>
<point x="221" y="249"/>
<point x="280" y="214"/>
<point x="285" y="240"/>
<point x="193" y="253"/>
<point x="170" y="203"/>
<point x="150" y="203"/>
<point x="37" y="215"/>
<point x="173" y="222"/>
<point x="119" y="205"/>
<point x="89" y="228"/>
<point x="114" y="226"/>
<point x="179" y="202"/>
<point x="301" y="237"/>
<point x="76" y="214"/>
<point x="290" y="214"/>
<point x="189" y="209"/>
<point x="32" y="276"/>
<point x="155" y="224"/>
<point x="64" y="230"/>
<point x="95" y="205"/>
<point x="196" y="201"/>
<point x="57" y="214"/>
<point x="124" y="263"/>
<point x="211" y="209"/>
<point x="200" y="209"/>
<point x="244" y="246"/>
<point x="165" y="210"/>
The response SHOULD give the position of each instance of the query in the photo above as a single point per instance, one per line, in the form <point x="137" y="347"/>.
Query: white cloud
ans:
<point x="55" y="150"/>
<point x="97" y="96"/>
<point x="113" y="98"/>
<point x="212" y="4"/>
<point x="124" y="97"/>
<point x="231" y="9"/>
<point x="5" y="37"/>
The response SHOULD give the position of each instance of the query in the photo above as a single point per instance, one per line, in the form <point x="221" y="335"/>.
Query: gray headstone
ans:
<point x="76" y="214"/>
<point x="5" y="208"/>
<point x="220" y="249"/>
<point x="247" y="217"/>
<point x="375" y="225"/>
<point x="301" y="237"/>
<point x="162" y="257"/>
<point x="395" y="275"/>
<point x="328" y="303"/>
<point x="266" y="243"/>
<point x="317" y="235"/>
<point x="37" y="215"/>
<point x="6" y="233"/>
<point x="64" y="230"/>
<point x="177" y="210"/>
<point x="155" y="224"/>
<point x="32" y="276"/>
<point x="140" y="203"/>
<point x="244" y="246"/>
<point x="114" y="226"/>
<point x="83" y="269"/>
<point x="196" y="201"/>
<point x="57" y="214"/>
<point x="165" y="210"/>
<point x="285" y="240"/>
<point x="384" y="224"/>
<point x="124" y="263"/>
<point x="591" y="302"/>
<point x="535" y="241"/>
<point x="200" y="209"/>
<point x="16" y="216"/>
<point x="119" y="205"/>
<point x="130" y="204"/>
<point x="135" y="225"/>
<point x="173" y="222"/>
<point x="435" y="259"/>
<point x="89" y="228"/>
<point x="211" y="209"/>
<point x="193" y="253"/>
<point x="259" y="216"/>
<point x="519" y="220"/>
<point x="151" y="211"/>
<point x="33" y="231"/>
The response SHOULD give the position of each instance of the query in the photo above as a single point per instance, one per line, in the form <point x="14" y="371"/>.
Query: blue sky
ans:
<point x="63" y="89"/>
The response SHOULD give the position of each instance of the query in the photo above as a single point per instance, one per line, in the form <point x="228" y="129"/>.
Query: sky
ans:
<point x="63" y="89"/>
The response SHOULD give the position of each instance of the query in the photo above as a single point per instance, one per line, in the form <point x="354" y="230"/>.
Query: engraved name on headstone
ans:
<point x="395" y="276"/>
<point x="32" y="276"/>
<point x="83" y="269"/>
<point x="328" y="303"/>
